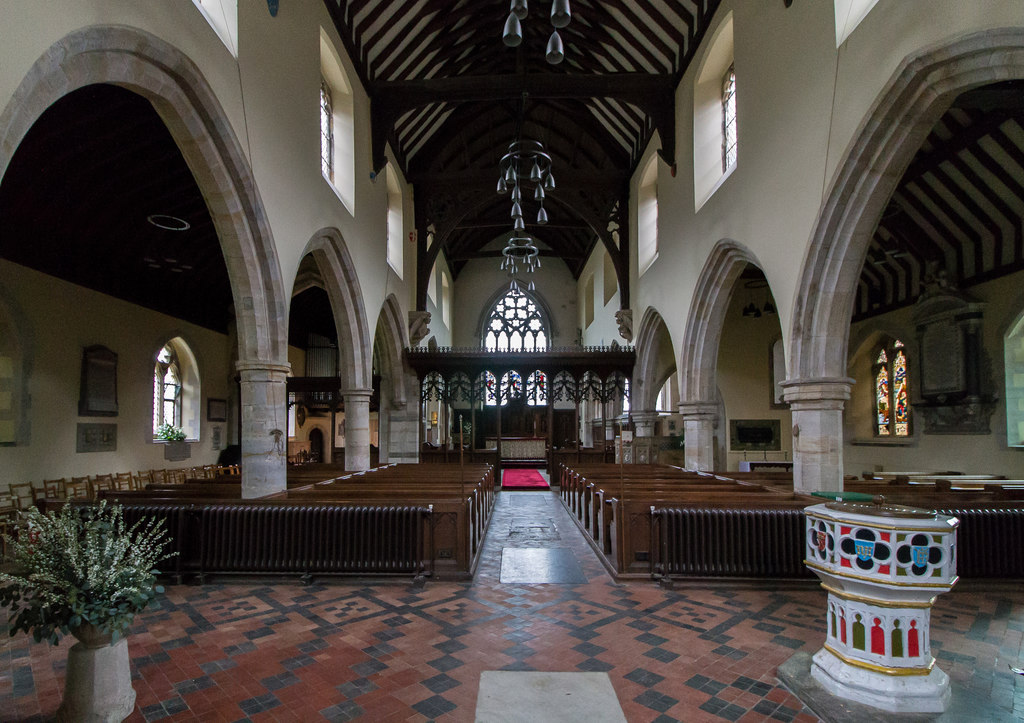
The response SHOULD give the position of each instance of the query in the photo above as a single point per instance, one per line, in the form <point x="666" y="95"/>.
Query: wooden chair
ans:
<point x="100" y="482"/>
<point x="23" y="494"/>
<point x="142" y="478"/>
<point x="158" y="476"/>
<point x="54" y="488"/>
<point x="124" y="482"/>
<point x="8" y="518"/>
<point x="175" y="476"/>
<point x="77" y="488"/>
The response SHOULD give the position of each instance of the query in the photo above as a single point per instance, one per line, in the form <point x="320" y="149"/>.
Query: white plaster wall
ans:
<point x="800" y="102"/>
<point x="603" y="329"/>
<point x="64" y="319"/>
<point x="988" y="453"/>
<point x="744" y="376"/>
<point x="479" y="283"/>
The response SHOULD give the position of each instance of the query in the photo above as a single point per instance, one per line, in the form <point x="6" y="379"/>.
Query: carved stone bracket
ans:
<point x="419" y="326"/>
<point x="624" y="318"/>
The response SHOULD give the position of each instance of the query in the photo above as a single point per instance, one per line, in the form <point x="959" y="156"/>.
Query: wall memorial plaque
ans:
<point x="96" y="437"/>
<point x="98" y="394"/>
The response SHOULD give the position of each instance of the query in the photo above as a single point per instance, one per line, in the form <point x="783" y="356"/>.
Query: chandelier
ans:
<point x="526" y="162"/>
<point x="560" y="17"/>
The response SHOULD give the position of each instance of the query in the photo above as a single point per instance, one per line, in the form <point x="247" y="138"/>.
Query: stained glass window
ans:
<point x="511" y="387"/>
<point x="515" y="324"/>
<point x="729" y="119"/>
<point x="537" y="389"/>
<point x="490" y="390"/>
<point x="892" y="392"/>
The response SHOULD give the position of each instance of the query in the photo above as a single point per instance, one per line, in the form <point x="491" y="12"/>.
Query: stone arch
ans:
<point x="399" y="414"/>
<point x="920" y="91"/>
<point x="143" y="63"/>
<point x="698" y="371"/>
<point x="389" y="341"/>
<point x="652" y="342"/>
<point x="338" y="274"/>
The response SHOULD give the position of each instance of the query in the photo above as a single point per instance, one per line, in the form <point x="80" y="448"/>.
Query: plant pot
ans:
<point x="98" y="686"/>
<point x="177" y="451"/>
<point x="91" y="637"/>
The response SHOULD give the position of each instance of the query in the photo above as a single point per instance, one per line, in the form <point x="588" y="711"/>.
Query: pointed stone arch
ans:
<point x="399" y="415"/>
<point x="144" y="64"/>
<point x="698" y="373"/>
<point x="920" y="91"/>
<point x="340" y="281"/>
<point x="652" y="342"/>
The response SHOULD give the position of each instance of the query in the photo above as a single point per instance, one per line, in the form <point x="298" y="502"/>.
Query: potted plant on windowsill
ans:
<point x="83" y="571"/>
<point x="176" y="446"/>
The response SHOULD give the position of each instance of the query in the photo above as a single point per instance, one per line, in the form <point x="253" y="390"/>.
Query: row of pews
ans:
<point x="414" y="520"/>
<point x="665" y="522"/>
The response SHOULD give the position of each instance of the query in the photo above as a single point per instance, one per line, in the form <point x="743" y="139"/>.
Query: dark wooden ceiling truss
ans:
<point x="958" y="210"/>
<point x="448" y="97"/>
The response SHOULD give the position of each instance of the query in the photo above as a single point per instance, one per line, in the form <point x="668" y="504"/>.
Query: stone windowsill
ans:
<point x="883" y="442"/>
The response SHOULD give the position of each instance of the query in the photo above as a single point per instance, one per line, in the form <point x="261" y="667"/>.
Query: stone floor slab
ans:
<point x="527" y="697"/>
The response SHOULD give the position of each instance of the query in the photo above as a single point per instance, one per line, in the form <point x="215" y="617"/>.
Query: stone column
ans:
<point x="357" y="429"/>
<point x="817" y="406"/>
<point x="403" y="428"/>
<point x="699" y="434"/>
<point x="264" y="427"/>
<point x="645" y="423"/>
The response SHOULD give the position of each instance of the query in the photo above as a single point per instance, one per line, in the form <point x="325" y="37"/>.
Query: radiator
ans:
<point x="312" y="539"/>
<point x="724" y="542"/>
<point x="990" y="542"/>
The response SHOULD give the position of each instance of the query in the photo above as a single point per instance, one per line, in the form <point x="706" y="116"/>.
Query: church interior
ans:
<point x="335" y="274"/>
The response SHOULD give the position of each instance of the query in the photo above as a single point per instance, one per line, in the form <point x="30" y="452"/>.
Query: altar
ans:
<point x="515" y="451"/>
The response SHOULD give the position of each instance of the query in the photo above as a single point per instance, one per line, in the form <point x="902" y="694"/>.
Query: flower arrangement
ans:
<point x="80" y="567"/>
<point x="170" y="433"/>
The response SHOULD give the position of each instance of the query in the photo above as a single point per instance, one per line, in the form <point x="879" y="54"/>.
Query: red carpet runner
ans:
<point x="520" y="479"/>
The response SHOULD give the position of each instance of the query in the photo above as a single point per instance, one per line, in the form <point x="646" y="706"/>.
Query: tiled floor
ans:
<point x="388" y="652"/>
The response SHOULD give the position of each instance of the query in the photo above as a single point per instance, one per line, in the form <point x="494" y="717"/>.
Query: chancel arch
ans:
<point x="893" y="131"/>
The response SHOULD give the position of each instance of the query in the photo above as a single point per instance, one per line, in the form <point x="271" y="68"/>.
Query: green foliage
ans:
<point x="80" y="565"/>
<point x="170" y="433"/>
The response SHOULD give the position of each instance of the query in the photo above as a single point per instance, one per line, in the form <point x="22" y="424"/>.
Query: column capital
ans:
<point x="644" y="417"/>
<point x="253" y="366"/>
<point x="817" y="393"/>
<point x="697" y="410"/>
<point x="357" y="393"/>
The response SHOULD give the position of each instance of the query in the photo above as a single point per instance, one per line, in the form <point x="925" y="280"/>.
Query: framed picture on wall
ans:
<point x="98" y="391"/>
<point x="216" y="410"/>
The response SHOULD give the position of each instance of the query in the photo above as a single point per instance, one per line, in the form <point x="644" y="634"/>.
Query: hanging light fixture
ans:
<point x="526" y="162"/>
<point x="560" y="17"/>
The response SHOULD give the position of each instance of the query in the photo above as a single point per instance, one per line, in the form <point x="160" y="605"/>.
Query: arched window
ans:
<point x="515" y="324"/>
<point x="394" y="221"/>
<point x="715" y="113"/>
<point x="337" y="125"/>
<point x="176" y="392"/>
<point x="166" y="389"/>
<point x="1013" y="356"/>
<point x="647" y="216"/>
<point x="892" y="391"/>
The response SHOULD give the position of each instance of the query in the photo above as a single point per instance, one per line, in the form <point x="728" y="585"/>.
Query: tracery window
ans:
<point x="326" y="131"/>
<point x="892" y="392"/>
<point x="729" y="119"/>
<point x="515" y="324"/>
<point x="166" y="389"/>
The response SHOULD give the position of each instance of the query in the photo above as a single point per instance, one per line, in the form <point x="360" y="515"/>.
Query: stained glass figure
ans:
<point x="511" y="387"/>
<point x="490" y="396"/>
<point x="892" y="391"/>
<point x="515" y="324"/>
<point x="537" y="389"/>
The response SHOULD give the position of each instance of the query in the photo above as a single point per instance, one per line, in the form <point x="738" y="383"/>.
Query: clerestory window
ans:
<point x="729" y="119"/>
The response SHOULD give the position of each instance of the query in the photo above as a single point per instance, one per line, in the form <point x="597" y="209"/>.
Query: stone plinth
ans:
<point x="882" y="566"/>
<point x="98" y="687"/>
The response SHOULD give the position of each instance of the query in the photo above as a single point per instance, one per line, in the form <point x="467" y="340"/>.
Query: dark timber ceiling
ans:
<point x="959" y="206"/>
<point x="449" y="97"/>
<point x="75" y="198"/>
